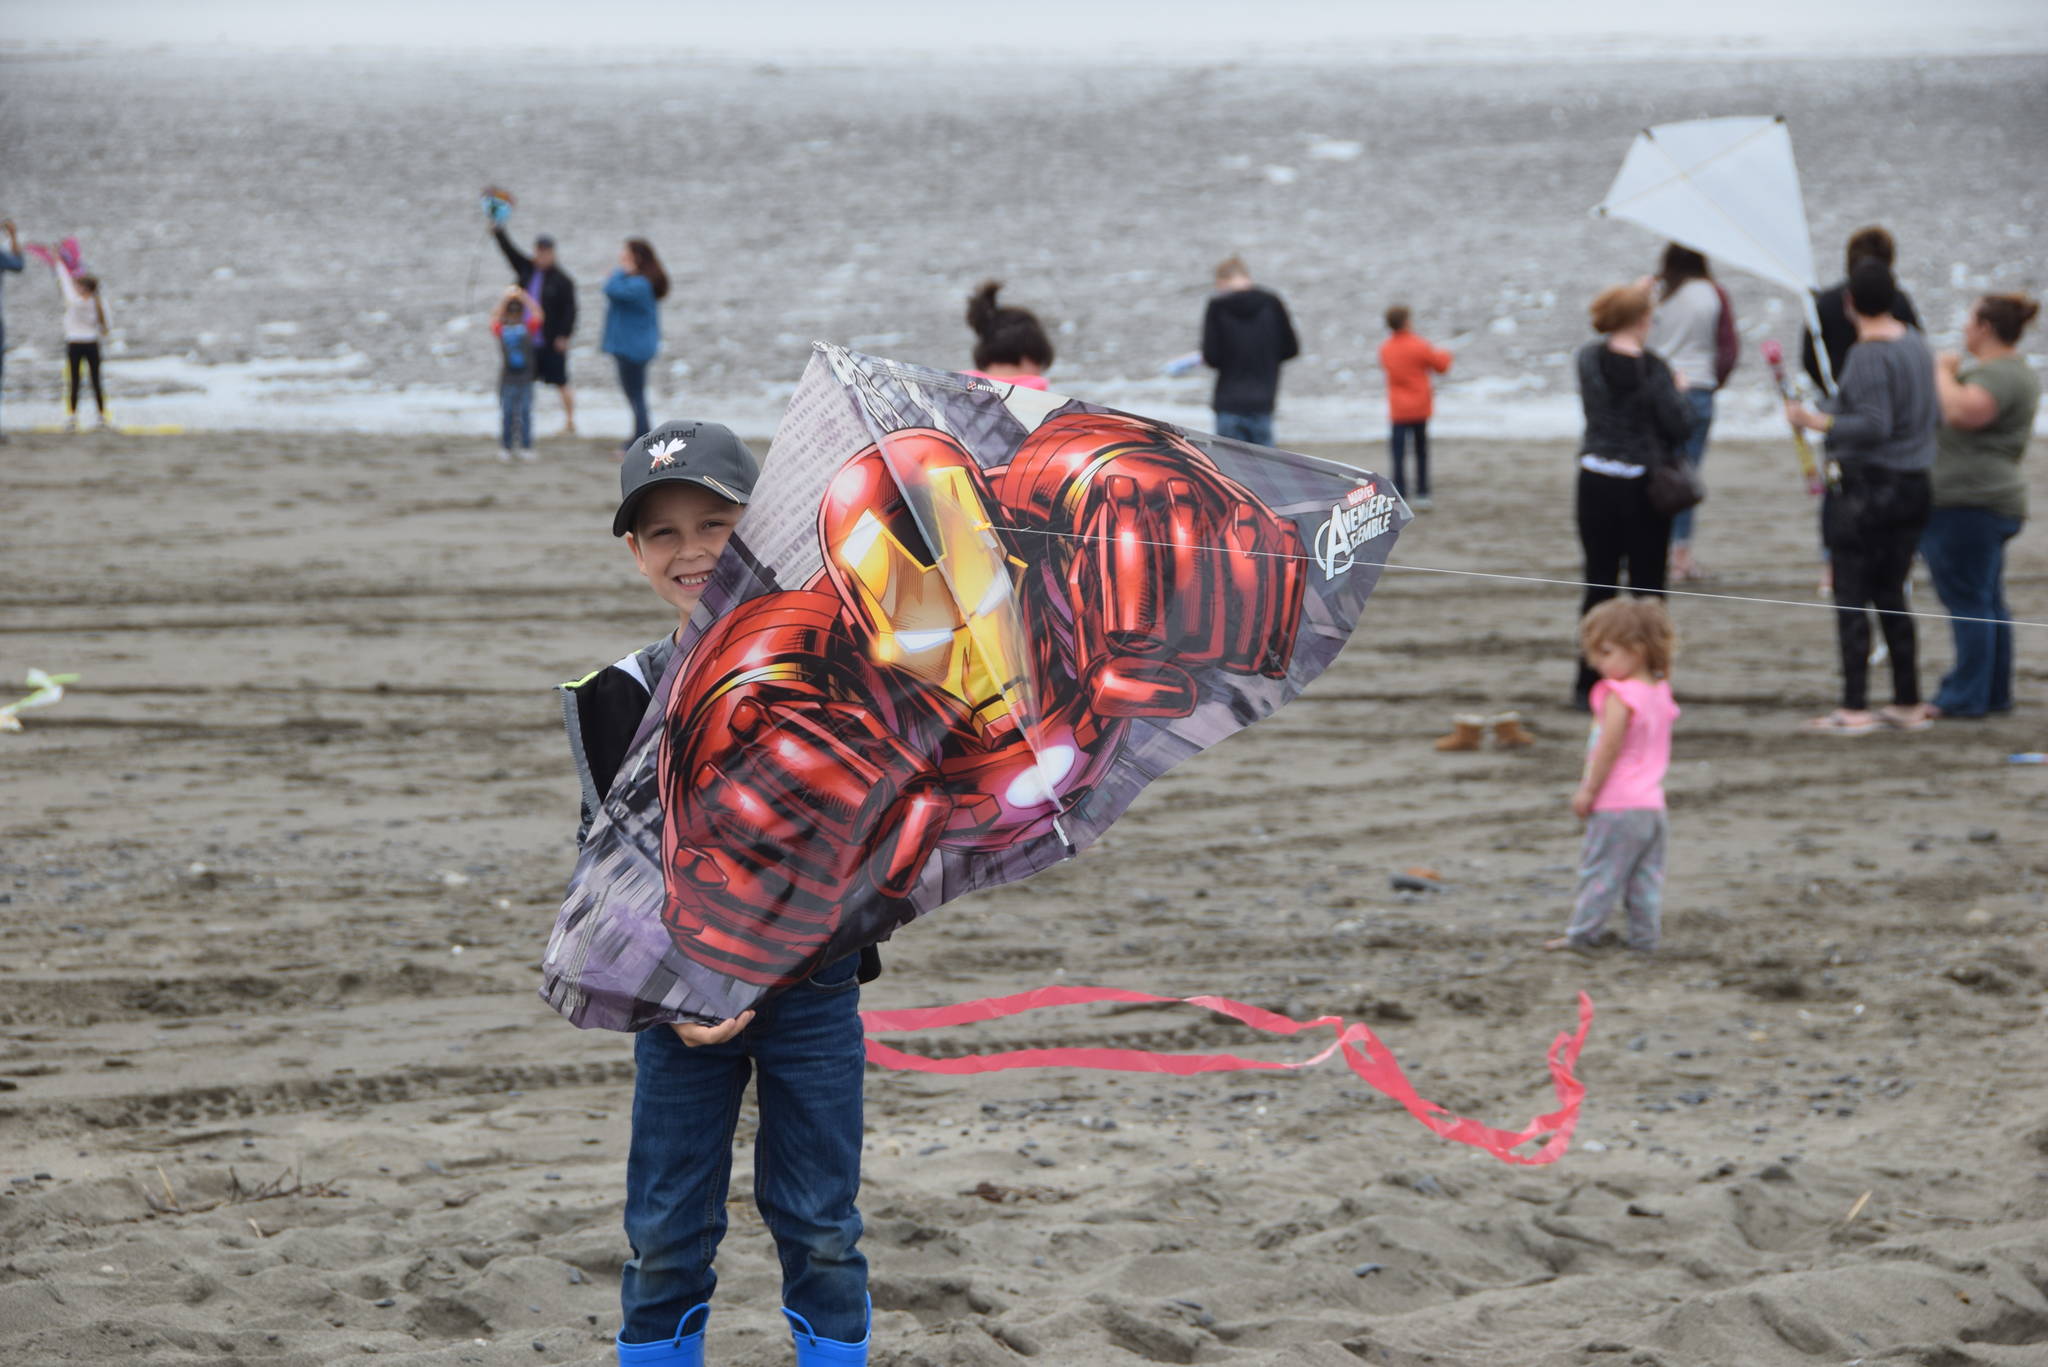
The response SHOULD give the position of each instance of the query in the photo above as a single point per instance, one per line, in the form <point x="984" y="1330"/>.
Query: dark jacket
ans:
<point x="602" y="712"/>
<point x="1246" y="334"/>
<point x="557" y="291"/>
<point x="1634" y="412"/>
<point x="1838" y="333"/>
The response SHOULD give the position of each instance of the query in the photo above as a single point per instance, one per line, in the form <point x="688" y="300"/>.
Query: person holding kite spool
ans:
<point x="1831" y="309"/>
<point x="1880" y="430"/>
<point x="1636" y="416"/>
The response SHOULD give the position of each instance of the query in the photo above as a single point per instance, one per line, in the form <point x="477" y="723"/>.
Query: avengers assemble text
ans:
<point x="1362" y="516"/>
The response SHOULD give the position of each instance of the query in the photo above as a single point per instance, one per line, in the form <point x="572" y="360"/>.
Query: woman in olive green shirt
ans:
<point x="1988" y="401"/>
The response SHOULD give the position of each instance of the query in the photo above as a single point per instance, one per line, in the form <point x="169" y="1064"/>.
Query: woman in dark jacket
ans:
<point x="1635" y="414"/>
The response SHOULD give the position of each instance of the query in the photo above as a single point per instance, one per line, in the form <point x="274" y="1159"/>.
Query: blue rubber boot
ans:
<point x="684" y="1350"/>
<point x="812" y="1351"/>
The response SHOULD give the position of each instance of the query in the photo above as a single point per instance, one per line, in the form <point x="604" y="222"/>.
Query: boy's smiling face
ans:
<point x="679" y="531"/>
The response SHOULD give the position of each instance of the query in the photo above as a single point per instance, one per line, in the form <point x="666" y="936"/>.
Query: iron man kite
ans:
<point x="963" y="669"/>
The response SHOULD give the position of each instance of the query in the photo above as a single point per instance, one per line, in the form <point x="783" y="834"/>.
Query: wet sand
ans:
<point x="275" y="879"/>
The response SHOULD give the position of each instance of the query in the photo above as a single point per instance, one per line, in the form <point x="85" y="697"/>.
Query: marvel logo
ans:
<point x="1359" y="495"/>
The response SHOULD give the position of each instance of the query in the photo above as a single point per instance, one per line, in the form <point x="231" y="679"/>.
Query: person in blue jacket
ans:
<point x="632" y="324"/>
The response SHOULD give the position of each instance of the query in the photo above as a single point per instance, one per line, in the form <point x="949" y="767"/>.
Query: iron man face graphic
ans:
<point x="942" y="607"/>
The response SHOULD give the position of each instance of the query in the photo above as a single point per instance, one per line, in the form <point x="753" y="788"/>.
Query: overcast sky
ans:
<point x="1075" y="28"/>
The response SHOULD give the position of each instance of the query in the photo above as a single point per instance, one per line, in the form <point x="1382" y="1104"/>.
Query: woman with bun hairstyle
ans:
<point x="1009" y="344"/>
<point x="1988" y="399"/>
<point x="1635" y="412"/>
<point x="632" y="324"/>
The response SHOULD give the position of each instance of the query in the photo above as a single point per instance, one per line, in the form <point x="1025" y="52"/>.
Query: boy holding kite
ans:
<point x="683" y="486"/>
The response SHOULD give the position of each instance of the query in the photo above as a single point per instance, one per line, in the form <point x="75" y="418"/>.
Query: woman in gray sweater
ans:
<point x="1880" y="441"/>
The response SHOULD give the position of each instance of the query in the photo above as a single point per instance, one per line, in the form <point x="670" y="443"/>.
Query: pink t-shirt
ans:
<point x="1637" y="778"/>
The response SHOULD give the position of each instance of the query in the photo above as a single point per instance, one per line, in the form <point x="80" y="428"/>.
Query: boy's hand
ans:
<point x="696" y="1036"/>
<point x="1582" y="802"/>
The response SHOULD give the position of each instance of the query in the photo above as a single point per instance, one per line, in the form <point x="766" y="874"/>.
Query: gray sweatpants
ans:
<point x="1622" y="864"/>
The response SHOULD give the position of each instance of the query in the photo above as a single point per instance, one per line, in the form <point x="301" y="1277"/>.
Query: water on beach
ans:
<point x="291" y="239"/>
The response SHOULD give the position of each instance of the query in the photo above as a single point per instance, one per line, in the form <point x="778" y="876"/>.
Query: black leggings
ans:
<point x="75" y="355"/>
<point x="1873" y="526"/>
<point x="1617" y="527"/>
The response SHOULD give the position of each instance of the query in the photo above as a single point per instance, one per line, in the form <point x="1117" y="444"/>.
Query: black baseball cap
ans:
<point x="703" y="453"/>
<point x="544" y="240"/>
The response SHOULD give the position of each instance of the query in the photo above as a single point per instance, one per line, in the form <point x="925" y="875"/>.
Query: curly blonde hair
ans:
<point x="1638" y="624"/>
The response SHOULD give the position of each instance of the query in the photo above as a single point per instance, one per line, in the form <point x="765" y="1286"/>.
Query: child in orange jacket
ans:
<point x="1408" y="361"/>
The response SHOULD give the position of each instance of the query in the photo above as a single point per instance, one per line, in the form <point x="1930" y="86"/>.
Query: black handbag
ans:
<point x="1673" y="482"/>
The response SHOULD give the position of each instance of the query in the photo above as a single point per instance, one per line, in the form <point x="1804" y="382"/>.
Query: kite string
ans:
<point x="1539" y="579"/>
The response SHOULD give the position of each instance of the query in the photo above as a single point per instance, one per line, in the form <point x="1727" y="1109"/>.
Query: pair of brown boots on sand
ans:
<point x="1468" y="732"/>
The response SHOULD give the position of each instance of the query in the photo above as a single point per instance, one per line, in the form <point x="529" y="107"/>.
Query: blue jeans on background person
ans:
<point x="633" y="379"/>
<point x="1256" y="428"/>
<point x="807" y="1050"/>
<point x="515" y="414"/>
<point x="1701" y="401"/>
<point x="1965" y="553"/>
<point x="1397" y="445"/>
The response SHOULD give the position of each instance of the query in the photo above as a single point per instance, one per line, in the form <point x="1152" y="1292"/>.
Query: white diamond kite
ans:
<point x="1728" y="189"/>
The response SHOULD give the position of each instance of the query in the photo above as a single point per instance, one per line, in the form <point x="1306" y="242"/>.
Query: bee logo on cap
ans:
<point x="663" y="454"/>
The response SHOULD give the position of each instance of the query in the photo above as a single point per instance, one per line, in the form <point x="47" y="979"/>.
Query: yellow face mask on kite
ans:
<point x="947" y="614"/>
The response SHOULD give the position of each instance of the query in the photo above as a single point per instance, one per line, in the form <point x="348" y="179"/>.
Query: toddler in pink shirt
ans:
<point x="1621" y="797"/>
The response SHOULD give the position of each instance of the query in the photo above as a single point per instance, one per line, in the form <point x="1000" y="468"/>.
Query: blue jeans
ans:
<point x="1256" y="428"/>
<point x="633" y="379"/>
<point x="807" y="1049"/>
<point x="1965" y="553"/>
<point x="515" y="414"/>
<point x="1701" y="401"/>
<point x="1397" y="443"/>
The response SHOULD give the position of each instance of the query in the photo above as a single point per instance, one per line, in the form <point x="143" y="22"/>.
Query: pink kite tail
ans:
<point x="1371" y="1060"/>
<point x="1376" y="1067"/>
<point x="41" y="253"/>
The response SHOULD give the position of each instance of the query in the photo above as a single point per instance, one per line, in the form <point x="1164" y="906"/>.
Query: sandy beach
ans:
<point x="276" y="876"/>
